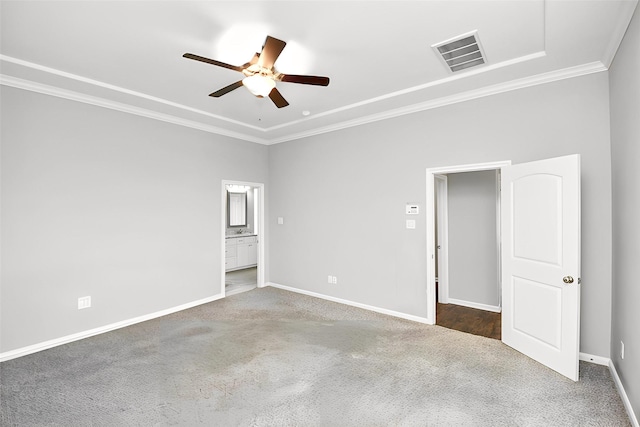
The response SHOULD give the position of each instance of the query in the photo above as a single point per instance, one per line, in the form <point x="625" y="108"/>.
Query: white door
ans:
<point x="541" y="261"/>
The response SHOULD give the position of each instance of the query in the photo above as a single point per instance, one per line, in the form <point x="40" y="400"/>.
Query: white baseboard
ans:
<point x="605" y="361"/>
<point x="8" y="355"/>
<point x="12" y="354"/>
<point x="623" y="395"/>
<point x="354" y="304"/>
<point x="477" y="305"/>
<point x="598" y="360"/>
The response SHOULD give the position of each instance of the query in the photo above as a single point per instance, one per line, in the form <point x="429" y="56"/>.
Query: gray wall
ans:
<point x="342" y="194"/>
<point x="127" y="209"/>
<point x="625" y="157"/>
<point x="107" y="204"/>
<point x="473" y="241"/>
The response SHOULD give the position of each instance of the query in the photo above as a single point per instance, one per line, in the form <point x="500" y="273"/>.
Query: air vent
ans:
<point x="462" y="52"/>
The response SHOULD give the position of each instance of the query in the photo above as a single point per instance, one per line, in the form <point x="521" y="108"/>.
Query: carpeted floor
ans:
<point x="270" y="357"/>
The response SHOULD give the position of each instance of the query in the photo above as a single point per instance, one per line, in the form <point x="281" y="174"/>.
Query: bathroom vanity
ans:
<point x="241" y="252"/>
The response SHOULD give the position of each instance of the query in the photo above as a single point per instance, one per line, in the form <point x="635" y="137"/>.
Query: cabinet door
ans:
<point x="230" y="263"/>
<point x="247" y="254"/>
<point x="230" y="251"/>
<point x="243" y="255"/>
<point x="252" y="254"/>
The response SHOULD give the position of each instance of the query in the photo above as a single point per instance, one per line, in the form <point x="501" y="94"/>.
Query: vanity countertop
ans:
<point x="235" y="236"/>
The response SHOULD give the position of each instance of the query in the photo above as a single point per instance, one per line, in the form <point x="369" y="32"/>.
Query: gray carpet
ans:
<point x="274" y="358"/>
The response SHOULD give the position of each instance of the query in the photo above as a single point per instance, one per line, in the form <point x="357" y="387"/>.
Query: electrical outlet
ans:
<point x="84" y="302"/>
<point x="335" y="280"/>
<point x="621" y="349"/>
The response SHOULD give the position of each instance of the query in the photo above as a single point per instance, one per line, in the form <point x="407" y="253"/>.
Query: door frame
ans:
<point x="223" y="228"/>
<point x="442" y="234"/>
<point x="430" y="229"/>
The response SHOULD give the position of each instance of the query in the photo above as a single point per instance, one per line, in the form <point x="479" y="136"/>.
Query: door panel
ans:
<point x="527" y="297"/>
<point x="537" y="235"/>
<point x="541" y="246"/>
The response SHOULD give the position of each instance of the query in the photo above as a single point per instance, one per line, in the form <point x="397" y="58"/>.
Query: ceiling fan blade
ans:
<point x="305" y="80"/>
<point x="277" y="98"/>
<point x="270" y="52"/>
<point x="226" y="89"/>
<point x="212" y="61"/>
<point x="254" y="60"/>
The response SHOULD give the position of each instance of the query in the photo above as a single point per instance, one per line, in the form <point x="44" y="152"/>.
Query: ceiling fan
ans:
<point x="260" y="74"/>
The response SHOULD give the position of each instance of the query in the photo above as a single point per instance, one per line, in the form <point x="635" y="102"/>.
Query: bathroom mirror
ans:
<point x="236" y="209"/>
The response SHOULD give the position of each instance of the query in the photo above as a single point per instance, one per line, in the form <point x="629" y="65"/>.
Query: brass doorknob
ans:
<point x="567" y="279"/>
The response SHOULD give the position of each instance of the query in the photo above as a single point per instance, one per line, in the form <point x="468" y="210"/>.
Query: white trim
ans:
<point x="430" y="219"/>
<point x="442" y="231"/>
<point x="115" y="88"/>
<point x="618" y="33"/>
<point x="474" y="167"/>
<point x="605" y="361"/>
<point x="12" y="354"/>
<point x="598" y="360"/>
<point x="477" y="305"/>
<point x="552" y="76"/>
<point x="623" y="394"/>
<point x="120" y="89"/>
<point x="567" y="73"/>
<point x="498" y="177"/>
<point x="261" y="236"/>
<point x="448" y="79"/>
<point x="352" y="303"/>
<point x="223" y="223"/>
<point x="125" y="108"/>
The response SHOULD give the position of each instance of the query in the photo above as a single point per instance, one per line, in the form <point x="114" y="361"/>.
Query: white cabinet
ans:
<point x="231" y="254"/>
<point x="241" y="252"/>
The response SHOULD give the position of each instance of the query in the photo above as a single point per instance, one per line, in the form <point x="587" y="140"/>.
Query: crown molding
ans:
<point x="118" y="106"/>
<point x="115" y="88"/>
<point x="566" y="73"/>
<point x="448" y="79"/>
<point x="373" y="100"/>
<point x="617" y="35"/>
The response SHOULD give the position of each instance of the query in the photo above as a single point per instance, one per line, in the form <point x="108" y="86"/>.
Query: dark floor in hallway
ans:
<point x="478" y="322"/>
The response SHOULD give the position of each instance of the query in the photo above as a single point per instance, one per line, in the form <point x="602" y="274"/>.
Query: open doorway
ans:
<point x="539" y="256"/>
<point x="463" y="278"/>
<point x="467" y="208"/>
<point x="243" y="231"/>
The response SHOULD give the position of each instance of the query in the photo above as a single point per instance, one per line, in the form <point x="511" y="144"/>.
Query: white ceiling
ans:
<point x="127" y="55"/>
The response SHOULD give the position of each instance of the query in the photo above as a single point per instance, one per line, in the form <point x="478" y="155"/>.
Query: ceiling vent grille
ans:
<point x="461" y="52"/>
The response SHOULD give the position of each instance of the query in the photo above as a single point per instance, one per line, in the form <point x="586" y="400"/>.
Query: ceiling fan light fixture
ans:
<point x="260" y="75"/>
<point x="259" y="85"/>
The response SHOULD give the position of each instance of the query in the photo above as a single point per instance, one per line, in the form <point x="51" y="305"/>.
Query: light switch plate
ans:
<point x="411" y="223"/>
<point x="280" y="220"/>
<point x="84" y="302"/>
